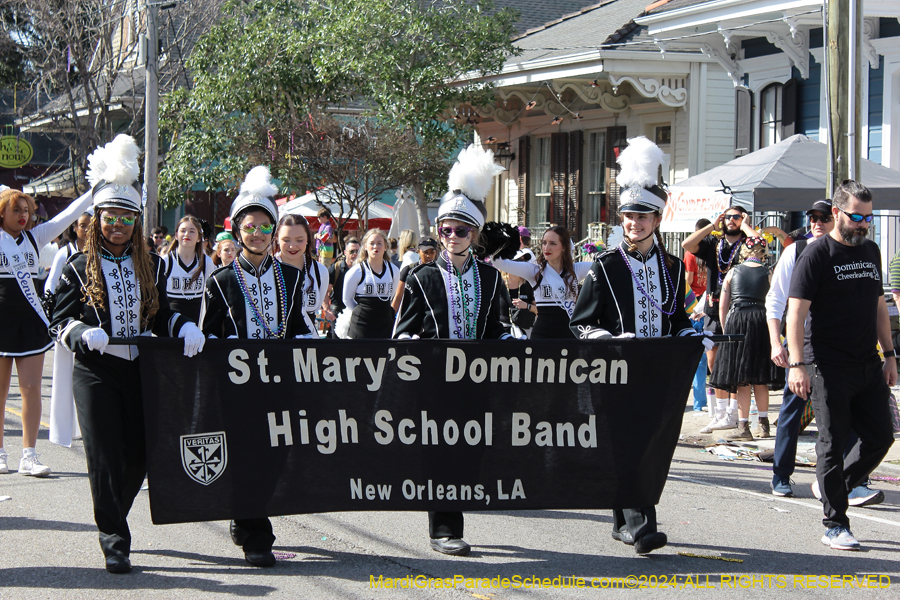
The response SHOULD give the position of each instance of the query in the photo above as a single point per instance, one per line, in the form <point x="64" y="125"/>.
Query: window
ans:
<point x="770" y="115"/>
<point x="539" y="203"/>
<point x="595" y="178"/>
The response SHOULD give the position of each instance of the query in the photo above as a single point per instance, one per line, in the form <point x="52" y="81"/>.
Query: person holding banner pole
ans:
<point x="636" y="289"/>
<point x="554" y="278"/>
<point x="256" y="297"/>
<point x="25" y="339"/>
<point x="115" y="289"/>
<point x="457" y="295"/>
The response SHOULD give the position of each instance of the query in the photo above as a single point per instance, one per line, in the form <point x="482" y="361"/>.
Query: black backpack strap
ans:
<point x="801" y="244"/>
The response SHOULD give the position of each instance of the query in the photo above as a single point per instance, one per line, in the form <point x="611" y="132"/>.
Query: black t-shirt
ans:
<point x="843" y="284"/>
<point x="709" y="251"/>
<point x="336" y="273"/>
<point x="404" y="272"/>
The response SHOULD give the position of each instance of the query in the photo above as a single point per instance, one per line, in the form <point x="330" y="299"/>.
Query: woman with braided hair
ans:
<point x="636" y="289"/>
<point x="114" y="289"/>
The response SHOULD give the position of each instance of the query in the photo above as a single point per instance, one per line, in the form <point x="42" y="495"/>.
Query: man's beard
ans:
<point x="730" y="231"/>
<point x="854" y="237"/>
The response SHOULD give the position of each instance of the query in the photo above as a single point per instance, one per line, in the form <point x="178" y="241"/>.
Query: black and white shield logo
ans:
<point x="204" y="456"/>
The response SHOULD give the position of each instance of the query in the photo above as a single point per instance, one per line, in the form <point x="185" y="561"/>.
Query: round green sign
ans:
<point x="14" y="152"/>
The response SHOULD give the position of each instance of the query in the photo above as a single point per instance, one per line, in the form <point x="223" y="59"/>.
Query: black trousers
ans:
<point x="110" y="409"/>
<point x="445" y="524"/>
<point x="638" y="521"/>
<point x="849" y="398"/>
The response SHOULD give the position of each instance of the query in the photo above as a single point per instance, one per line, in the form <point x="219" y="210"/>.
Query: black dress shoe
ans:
<point x="260" y="558"/>
<point x="450" y="545"/>
<point x="238" y="535"/>
<point x="118" y="563"/>
<point x="649" y="542"/>
<point x="624" y="536"/>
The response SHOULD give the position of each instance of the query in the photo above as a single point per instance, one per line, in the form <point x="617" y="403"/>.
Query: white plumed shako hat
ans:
<point x="257" y="191"/>
<point x="638" y="177"/>
<point x="113" y="170"/>
<point x="470" y="181"/>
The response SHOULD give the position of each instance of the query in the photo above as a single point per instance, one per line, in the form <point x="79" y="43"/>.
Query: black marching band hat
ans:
<point x="112" y="172"/>
<point x="638" y="177"/>
<point x="470" y="181"/>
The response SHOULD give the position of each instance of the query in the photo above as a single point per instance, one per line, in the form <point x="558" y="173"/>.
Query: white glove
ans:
<point x="708" y="344"/>
<point x="193" y="339"/>
<point x="624" y="336"/>
<point x="306" y="336"/>
<point x="96" y="339"/>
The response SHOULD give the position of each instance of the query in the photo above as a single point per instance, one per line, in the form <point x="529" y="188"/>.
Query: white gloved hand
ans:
<point x="306" y="336"/>
<point x="96" y="339"/>
<point x="708" y="344"/>
<point x="623" y="336"/>
<point x="193" y="339"/>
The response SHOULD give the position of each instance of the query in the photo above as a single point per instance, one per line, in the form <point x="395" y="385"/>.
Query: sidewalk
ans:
<point x="695" y="421"/>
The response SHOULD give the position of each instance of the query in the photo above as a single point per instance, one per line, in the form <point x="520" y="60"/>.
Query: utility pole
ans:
<point x="844" y="27"/>
<point x="151" y="124"/>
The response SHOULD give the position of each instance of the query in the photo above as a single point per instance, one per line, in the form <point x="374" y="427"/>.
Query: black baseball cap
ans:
<point x="822" y="206"/>
<point x="428" y="242"/>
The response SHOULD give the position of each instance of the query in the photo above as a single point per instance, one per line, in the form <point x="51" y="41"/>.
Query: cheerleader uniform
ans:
<point x="24" y="320"/>
<point x="246" y="304"/>
<point x="369" y="295"/>
<point x="434" y="307"/>
<point x="315" y="289"/>
<point x="552" y="296"/>
<point x="107" y="386"/>
<point x="627" y="292"/>
<point x="184" y="289"/>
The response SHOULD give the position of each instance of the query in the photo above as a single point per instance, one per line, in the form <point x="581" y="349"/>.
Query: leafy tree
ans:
<point x="414" y="61"/>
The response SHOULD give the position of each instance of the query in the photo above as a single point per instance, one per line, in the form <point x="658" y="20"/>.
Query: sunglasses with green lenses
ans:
<point x="252" y="229"/>
<point x="126" y="220"/>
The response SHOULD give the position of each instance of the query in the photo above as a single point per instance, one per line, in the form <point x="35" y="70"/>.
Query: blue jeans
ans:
<point x="700" y="375"/>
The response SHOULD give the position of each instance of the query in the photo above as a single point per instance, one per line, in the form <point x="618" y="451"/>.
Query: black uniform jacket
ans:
<point x="606" y="301"/>
<point x="425" y="313"/>
<point x="72" y="316"/>
<point x="224" y="311"/>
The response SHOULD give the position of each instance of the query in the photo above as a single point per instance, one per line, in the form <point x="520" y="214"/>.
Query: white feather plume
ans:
<point x="639" y="163"/>
<point x="259" y="183"/>
<point x="474" y="172"/>
<point x="116" y="162"/>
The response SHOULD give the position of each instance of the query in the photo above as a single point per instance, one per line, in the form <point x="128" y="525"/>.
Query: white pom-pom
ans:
<point x="259" y="183"/>
<point x="474" y="172"/>
<point x="639" y="163"/>
<point x="116" y="162"/>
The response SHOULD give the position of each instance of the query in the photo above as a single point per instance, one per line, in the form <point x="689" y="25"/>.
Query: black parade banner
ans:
<point x="252" y="428"/>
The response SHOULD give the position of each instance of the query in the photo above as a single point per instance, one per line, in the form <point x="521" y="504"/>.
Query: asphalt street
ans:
<point x="712" y="508"/>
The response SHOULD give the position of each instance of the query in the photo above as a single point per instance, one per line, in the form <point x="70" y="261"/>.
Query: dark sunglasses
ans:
<point x="460" y="231"/>
<point x="856" y="217"/>
<point x="734" y="217"/>
<point x="818" y="219"/>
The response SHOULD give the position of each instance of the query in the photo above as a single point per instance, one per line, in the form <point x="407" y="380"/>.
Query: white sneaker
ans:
<point x="708" y="428"/>
<point x="31" y="465"/>
<point x="4" y="463"/>
<point x="729" y="421"/>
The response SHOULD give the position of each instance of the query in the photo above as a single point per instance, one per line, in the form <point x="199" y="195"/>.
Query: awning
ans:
<point x="61" y="183"/>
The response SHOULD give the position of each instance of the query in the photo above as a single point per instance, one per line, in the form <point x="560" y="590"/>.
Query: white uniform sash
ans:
<point x="19" y="268"/>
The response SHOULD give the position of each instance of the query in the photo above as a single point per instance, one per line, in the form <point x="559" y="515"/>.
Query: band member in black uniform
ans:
<point x="457" y="296"/>
<point x="25" y="340"/>
<point x="636" y="290"/>
<point x="254" y="297"/>
<point x="369" y="288"/>
<point x="115" y="289"/>
<point x="187" y="267"/>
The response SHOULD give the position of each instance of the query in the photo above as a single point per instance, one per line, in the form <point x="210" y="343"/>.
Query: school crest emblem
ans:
<point x="204" y="456"/>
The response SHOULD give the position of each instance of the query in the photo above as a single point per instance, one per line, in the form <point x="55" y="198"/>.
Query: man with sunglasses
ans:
<point x="721" y="254"/>
<point x="338" y="270"/>
<point x="837" y="281"/>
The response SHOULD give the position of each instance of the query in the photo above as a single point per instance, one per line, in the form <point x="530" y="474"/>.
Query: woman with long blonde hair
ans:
<point x="369" y="288"/>
<point x="25" y="339"/>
